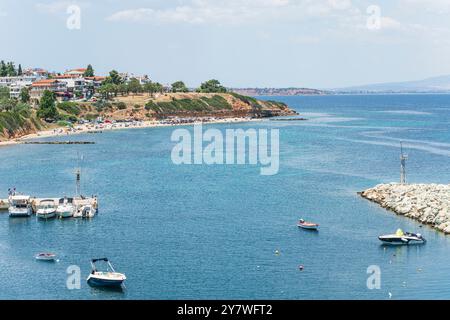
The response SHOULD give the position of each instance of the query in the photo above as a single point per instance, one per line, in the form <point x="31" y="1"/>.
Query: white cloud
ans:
<point x="237" y="11"/>
<point x="388" y="23"/>
<point x="431" y="6"/>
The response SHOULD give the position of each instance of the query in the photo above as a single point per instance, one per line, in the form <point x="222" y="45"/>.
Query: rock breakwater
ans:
<point x="427" y="203"/>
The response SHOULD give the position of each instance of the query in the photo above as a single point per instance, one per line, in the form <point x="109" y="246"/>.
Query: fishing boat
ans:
<point x="109" y="278"/>
<point x="86" y="211"/>
<point x="46" y="209"/>
<point x="307" y="225"/>
<point x="65" y="208"/>
<point x="20" y="206"/>
<point x="46" y="256"/>
<point x="402" y="238"/>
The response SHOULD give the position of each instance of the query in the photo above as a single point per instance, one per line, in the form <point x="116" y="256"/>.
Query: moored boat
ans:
<point x="65" y="209"/>
<point x="307" y="225"/>
<point x="109" y="278"/>
<point x="45" y="256"/>
<point x="86" y="211"/>
<point x="20" y="206"/>
<point x="402" y="238"/>
<point x="46" y="209"/>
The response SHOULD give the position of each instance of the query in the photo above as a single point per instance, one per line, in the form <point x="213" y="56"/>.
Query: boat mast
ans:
<point x="78" y="178"/>
<point x="403" y="158"/>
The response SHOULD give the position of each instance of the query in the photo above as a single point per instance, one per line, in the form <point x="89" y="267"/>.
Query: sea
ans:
<point x="201" y="231"/>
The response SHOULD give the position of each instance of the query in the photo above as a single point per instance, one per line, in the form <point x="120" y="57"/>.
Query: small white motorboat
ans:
<point x="46" y="209"/>
<point x="307" y="225"/>
<point x="20" y="206"/>
<point x="65" y="208"/>
<point x="86" y="211"/>
<point x="402" y="238"/>
<point x="109" y="278"/>
<point x="46" y="256"/>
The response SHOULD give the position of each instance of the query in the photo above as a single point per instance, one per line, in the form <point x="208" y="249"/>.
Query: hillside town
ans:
<point x="73" y="84"/>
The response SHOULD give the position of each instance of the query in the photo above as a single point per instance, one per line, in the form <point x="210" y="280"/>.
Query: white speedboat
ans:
<point x="20" y="206"/>
<point x="46" y="209"/>
<point x="109" y="278"/>
<point x="307" y="225"/>
<point x="86" y="211"/>
<point x="402" y="238"/>
<point x="65" y="208"/>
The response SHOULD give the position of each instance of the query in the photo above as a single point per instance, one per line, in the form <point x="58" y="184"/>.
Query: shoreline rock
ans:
<point x="426" y="203"/>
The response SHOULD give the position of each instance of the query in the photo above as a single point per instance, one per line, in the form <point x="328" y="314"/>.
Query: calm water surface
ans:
<point x="195" y="232"/>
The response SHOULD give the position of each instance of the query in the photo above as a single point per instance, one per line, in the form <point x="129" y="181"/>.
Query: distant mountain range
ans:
<point x="278" y="91"/>
<point x="429" y="85"/>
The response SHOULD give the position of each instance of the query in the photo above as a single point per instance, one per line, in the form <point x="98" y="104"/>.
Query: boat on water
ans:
<point x="307" y="225"/>
<point x="46" y="256"/>
<point x="20" y="206"/>
<point x="109" y="278"/>
<point x="4" y="205"/>
<point x="86" y="211"/>
<point x="402" y="238"/>
<point x="65" y="208"/>
<point x="46" y="209"/>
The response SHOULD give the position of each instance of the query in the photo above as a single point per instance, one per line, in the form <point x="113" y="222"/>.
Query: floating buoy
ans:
<point x="301" y="267"/>
<point x="419" y="269"/>
<point x="277" y="252"/>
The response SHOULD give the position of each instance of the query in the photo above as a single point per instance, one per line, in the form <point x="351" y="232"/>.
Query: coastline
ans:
<point x="90" y="128"/>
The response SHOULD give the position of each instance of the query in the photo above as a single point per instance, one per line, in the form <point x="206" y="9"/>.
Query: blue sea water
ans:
<point x="211" y="232"/>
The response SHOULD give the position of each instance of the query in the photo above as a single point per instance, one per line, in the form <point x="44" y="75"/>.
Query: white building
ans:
<point x="73" y="84"/>
<point x="16" y="88"/>
<point x="8" y="81"/>
<point x="17" y="83"/>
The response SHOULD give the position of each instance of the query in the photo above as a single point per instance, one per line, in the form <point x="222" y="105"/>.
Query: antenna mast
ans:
<point x="403" y="158"/>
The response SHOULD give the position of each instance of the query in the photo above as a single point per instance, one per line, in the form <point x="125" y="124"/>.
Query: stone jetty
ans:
<point x="427" y="203"/>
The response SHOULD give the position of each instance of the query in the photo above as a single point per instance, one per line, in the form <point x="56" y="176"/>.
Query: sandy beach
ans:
<point x="98" y="128"/>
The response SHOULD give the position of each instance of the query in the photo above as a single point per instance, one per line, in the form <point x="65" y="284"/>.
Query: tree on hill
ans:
<point x="19" y="70"/>
<point x="134" y="86"/>
<point x="122" y="89"/>
<point x="89" y="71"/>
<point x="10" y="69"/>
<point x="47" y="106"/>
<point x="108" y="89"/>
<point x="211" y="86"/>
<point x="113" y="78"/>
<point x="3" y="69"/>
<point x="25" y="95"/>
<point x="159" y="87"/>
<point x="179" y="86"/>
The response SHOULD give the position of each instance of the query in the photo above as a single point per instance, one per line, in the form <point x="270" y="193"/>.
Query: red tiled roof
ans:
<point x="82" y="70"/>
<point x="96" y="78"/>
<point x="43" y="83"/>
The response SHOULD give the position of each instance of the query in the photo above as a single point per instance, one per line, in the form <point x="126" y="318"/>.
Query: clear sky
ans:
<point x="243" y="43"/>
